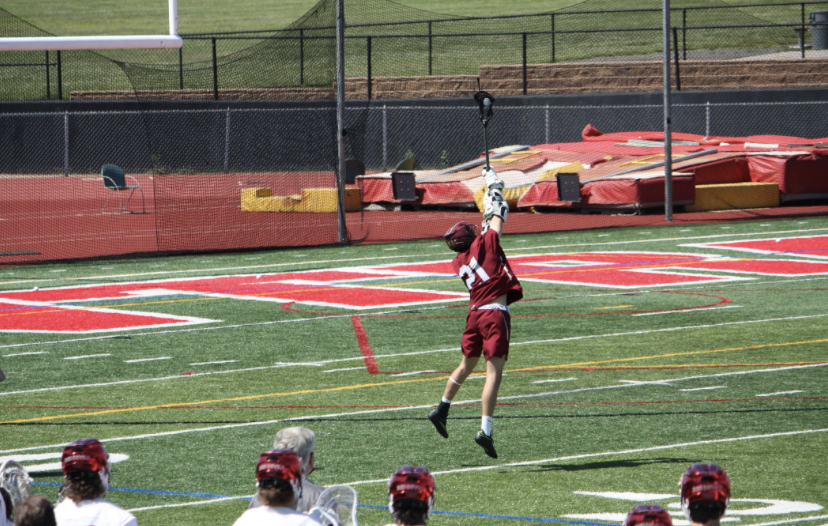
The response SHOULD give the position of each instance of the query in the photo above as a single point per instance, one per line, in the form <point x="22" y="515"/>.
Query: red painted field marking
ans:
<point x="804" y="246"/>
<point x="364" y="346"/>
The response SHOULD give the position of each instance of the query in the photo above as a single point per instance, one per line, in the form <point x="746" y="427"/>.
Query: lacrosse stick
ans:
<point x="336" y="506"/>
<point x="485" y="102"/>
<point x="14" y="483"/>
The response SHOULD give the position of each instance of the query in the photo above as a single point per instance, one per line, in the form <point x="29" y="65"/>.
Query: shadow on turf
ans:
<point x="633" y="463"/>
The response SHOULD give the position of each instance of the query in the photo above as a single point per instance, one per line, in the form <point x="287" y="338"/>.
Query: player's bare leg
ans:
<point x="438" y="416"/>
<point x="494" y="374"/>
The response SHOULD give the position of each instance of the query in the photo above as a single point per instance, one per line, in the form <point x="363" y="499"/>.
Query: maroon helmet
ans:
<point x="281" y="464"/>
<point x="411" y="483"/>
<point x="85" y="454"/>
<point x="704" y="482"/>
<point x="459" y="237"/>
<point x="648" y="515"/>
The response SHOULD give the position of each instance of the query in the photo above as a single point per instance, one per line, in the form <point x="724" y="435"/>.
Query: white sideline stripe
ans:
<point x="214" y="363"/>
<point x="791" y="520"/>
<point x="395" y="409"/>
<point x="412" y="373"/>
<point x="780" y="393"/>
<point x="551" y="381"/>
<point x="25" y="354"/>
<point x="610" y="453"/>
<point x="328" y="261"/>
<point x="703" y="388"/>
<point x="345" y="369"/>
<point x="196" y="503"/>
<point x="688" y="310"/>
<point x="148" y="359"/>
<point x="357" y="358"/>
<point x="86" y="356"/>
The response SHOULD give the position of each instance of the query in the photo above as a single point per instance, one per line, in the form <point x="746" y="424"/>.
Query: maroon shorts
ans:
<point x="487" y="332"/>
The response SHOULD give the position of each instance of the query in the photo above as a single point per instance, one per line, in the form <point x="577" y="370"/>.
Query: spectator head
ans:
<point x="86" y="469"/>
<point x="705" y="493"/>
<point x="411" y="495"/>
<point x="299" y="439"/>
<point x="279" y="477"/>
<point x="648" y="515"/>
<point x="35" y="511"/>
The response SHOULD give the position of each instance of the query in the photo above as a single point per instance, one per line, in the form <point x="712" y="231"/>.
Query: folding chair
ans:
<point x="114" y="178"/>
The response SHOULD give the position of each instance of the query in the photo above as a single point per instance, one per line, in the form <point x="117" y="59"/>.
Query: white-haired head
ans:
<point x="300" y="439"/>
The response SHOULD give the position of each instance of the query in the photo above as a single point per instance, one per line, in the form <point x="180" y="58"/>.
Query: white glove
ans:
<point x="493" y="182"/>
<point x="494" y="205"/>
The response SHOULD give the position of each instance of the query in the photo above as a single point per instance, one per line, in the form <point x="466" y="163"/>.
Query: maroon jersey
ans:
<point x="485" y="271"/>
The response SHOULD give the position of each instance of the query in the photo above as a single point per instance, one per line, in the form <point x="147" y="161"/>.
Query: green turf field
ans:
<point x="609" y="394"/>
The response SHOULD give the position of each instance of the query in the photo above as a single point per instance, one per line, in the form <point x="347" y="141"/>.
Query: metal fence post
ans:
<point x="430" y="48"/>
<point x="707" y="119"/>
<point x="524" y="63"/>
<point x="227" y="141"/>
<point x="684" y="32"/>
<point x="181" y="67"/>
<point x="676" y="58"/>
<point x="553" y="37"/>
<point x="384" y="137"/>
<point x="215" y="71"/>
<point x="368" y="53"/>
<point x="59" y="76"/>
<point x="65" y="143"/>
<point x="802" y="32"/>
<point x="48" y="80"/>
<point x="301" y="57"/>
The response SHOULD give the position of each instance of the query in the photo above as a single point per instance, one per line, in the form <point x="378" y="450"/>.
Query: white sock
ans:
<point x="446" y="400"/>
<point x="486" y="425"/>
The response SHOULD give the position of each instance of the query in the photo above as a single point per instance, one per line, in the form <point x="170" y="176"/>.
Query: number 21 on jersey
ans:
<point x="469" y="273"/>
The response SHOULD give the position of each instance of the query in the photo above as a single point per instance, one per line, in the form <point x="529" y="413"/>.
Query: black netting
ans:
<point x="232" y="139"/>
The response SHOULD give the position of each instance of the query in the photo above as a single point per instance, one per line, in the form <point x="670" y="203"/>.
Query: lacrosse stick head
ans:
<point x="485" y="103"/>
<point x="336" y="506"/>
<point x="14" y="485"/>
<point x="413" y="487"/>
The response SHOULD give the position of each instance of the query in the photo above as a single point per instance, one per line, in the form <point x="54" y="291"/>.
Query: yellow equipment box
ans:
<point x="734" y="196"/>
<point x="313" y="200"/>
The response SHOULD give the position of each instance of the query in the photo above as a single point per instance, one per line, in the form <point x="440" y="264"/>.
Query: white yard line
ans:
<point x="181" y="504"/>
<point x="86" y="356"/>
<point x="138" y="360"/>
<point x="407" y="408"/>
<point x="453" y="349"/>
<point x="609" y="453"/>
<point x="577" y="457"/>
<point x="791" y="520"/>
<point x="780" y="393"/>
<point x="687" y="310"/>
<point x="703" y="388"/>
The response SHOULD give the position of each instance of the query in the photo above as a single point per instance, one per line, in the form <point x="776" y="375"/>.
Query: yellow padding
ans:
<point x="313" y="200"/>
<point x="567" y="169"/>
<point x="510" y="195"/>
<point x="735" y="196"/>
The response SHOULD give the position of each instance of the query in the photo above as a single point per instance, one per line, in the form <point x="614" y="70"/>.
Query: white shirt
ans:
<point x="273" y="516"/>
<point x="97" y="512"/>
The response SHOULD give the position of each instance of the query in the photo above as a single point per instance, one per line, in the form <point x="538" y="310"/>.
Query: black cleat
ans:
<point x="439" y="420"/>
<point x="486" y="442"/>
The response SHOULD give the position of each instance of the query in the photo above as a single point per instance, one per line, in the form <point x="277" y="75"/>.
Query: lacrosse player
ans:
<point x="302" y="441"/>
<point x="482" y="266"/>
<point x="648" y="515"/>
<point x="35" y="511"/>
<point x="279" y="478"/>
<point x="86" y="470"/>
<point x="705" y="494"/>
<point x="15" y="488"/>
<point x="410" y="496"/>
